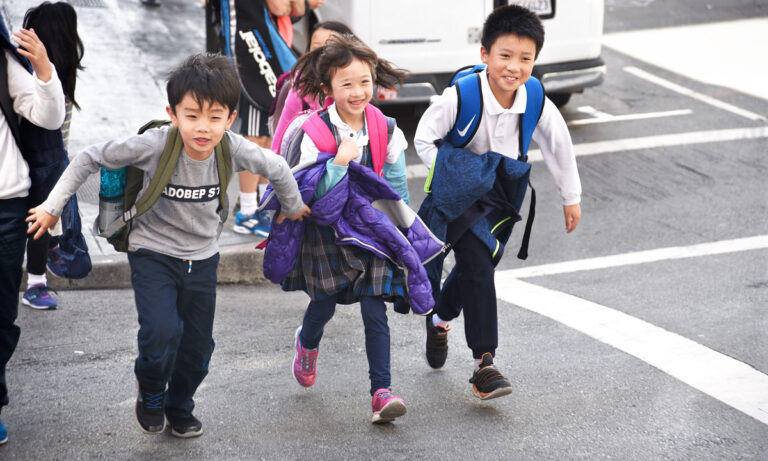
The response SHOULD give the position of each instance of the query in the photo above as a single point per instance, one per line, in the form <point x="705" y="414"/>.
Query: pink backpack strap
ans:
<point x="377" y="137"/>
<point x="320" y="134"/>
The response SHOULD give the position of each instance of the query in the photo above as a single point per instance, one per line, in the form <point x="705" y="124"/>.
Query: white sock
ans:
<point x="33" y="280"/>
<point x="477" y="364"/>
<point x="248" y="203"/>
<point x="262" y="190"/>
<point x="438" y="322"/>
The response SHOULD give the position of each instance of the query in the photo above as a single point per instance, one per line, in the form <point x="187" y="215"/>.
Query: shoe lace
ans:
<point x="385" y="395"/>
<point x="41" y="291"/>
<point x="485" y="376"/>
<point x="438" y="339"/>
<point x="153" y="400"/>
<point x="307" y="361"/>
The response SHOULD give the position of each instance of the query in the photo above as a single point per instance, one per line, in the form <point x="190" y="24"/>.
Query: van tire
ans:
<point x="560" y="99"/>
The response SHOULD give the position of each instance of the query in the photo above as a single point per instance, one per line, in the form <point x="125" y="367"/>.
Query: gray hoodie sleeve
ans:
<point x="248" y="156"/>
<point x="139" y="151"/>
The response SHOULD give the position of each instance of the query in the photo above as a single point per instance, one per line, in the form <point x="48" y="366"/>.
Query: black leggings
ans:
<point x="37" y="254"/>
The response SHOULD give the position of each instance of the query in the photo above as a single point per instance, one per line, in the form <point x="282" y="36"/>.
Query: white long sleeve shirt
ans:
<point x="42" y="103"/>
<point x="499" y="132"/>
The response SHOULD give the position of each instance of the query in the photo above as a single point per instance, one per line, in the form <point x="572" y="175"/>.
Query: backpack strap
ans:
<point x="469" y="111"/>
<point x="377" y="137"/>
<point x="134" y="177"/>
<point x="534" y="106"/>
<point x="320" y="134"/>
<point x="224" y="167"/>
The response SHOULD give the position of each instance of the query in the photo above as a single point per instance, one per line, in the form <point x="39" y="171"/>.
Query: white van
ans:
<point x="433" y="38"/>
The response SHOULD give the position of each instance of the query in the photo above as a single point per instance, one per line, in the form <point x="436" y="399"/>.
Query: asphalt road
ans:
<point x="621" y="379"/>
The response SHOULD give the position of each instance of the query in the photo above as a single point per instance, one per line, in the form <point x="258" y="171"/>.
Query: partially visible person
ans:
<point x="56" y="24"/>
<point x="292" y="103"/>
<point x="253" y="126"/>
<point x="38" y="97"/>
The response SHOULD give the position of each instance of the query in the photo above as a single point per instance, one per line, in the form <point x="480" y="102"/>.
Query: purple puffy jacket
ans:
<point x="365" y="211"/>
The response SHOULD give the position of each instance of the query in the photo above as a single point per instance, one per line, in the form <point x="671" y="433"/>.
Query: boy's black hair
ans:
<point x="512" y="19"/>
<point x="56" y="26"/>
<point x="209" y="77"/>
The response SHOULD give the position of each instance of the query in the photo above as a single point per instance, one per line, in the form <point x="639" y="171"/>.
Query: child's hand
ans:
<point x="347" y="152"/>
<point x="34" y="50"/>
<point x="572" y="216"/>
<point x="295" y="217"/>
<point x="41" y="221"/>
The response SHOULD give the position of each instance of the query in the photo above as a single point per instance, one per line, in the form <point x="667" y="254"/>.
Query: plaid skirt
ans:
<point x="324" y="269"/>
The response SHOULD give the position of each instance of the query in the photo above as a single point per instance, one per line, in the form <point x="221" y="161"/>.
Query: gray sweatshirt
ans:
<point x="184" y="222"/>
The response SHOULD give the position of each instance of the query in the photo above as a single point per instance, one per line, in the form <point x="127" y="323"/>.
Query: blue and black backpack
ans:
<point x="470" y="108"/>
<point x="470" y="113"/>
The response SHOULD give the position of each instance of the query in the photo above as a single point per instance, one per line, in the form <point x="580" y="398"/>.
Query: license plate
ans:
<point x="544" y="8"/>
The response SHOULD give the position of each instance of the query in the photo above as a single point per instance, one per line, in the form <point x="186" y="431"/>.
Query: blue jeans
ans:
<point x="13" y="241"/>
<point x="176" y="301"/>
<point x="374" y="313"/>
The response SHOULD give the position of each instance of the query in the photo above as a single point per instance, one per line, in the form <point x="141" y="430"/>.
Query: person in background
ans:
<point x="56" y="24"/>
<point x="38" y="97"/>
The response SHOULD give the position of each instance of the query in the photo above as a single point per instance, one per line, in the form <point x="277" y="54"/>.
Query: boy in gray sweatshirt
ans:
<point x="172" y="248"/>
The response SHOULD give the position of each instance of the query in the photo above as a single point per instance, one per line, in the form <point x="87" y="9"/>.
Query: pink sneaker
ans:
<point x="304" y="361"/>
<point x="386" y="406"/>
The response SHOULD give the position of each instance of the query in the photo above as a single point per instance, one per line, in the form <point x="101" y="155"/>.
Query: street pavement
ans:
<point x="642" y="335"/>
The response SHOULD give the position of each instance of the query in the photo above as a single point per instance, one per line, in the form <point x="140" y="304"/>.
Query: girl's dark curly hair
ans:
<point x="313" y="72"/>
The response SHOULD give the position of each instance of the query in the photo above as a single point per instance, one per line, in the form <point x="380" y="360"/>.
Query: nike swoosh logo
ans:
<point x="466" y="128"/>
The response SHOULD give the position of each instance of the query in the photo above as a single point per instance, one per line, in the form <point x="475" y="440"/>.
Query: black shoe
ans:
<point x="150" y="414"/>
<point x="437" y="344"/>
<point x="488" y="382"/>
<point x="186" y="427"/>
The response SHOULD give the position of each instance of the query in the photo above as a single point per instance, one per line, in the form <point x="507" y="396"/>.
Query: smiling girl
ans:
<point x="331" y="273"/>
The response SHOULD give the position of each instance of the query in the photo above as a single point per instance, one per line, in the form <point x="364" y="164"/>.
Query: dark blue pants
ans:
<point x="470" y="287"/>
<point x="176" y="302"/>
<point x="374" y="313"/>
<point x="13" y="241"/>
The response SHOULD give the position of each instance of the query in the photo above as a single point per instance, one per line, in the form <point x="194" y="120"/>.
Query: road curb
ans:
<point x="239" y="264"/>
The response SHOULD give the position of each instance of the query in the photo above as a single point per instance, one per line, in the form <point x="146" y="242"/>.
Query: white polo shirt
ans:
<point x="499" y="132"/>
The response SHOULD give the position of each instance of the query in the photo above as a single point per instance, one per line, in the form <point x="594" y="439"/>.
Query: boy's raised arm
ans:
<point x="136" y="151"/>
<point x="249" y="156"/>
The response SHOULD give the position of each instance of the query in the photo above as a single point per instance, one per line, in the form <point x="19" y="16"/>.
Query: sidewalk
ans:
<point x="129" y="49"/>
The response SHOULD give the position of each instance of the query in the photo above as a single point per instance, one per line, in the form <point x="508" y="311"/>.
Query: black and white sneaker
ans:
<point x="150" y="413"/>
<point x="488" y="382"/>
<point x="186" y="427"/>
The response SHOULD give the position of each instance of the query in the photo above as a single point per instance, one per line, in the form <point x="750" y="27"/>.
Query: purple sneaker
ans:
<point x="386" y="406"/>
<point x="304" y="363"/>
<point x="37" y="297"/>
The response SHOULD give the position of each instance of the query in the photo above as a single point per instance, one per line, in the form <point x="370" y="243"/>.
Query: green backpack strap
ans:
<point x="224" y="167"/>
<point x="135" y="177"/>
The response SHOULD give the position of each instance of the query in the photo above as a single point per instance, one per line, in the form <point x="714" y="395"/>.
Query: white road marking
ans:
<point x="593" y="112"/>
<point x="732" y="382"/>
<point x="641" y="257"/>
<point x="697" y="52"/>
<point x="693" y="94"/>
<point x="639" y="143"/>
<point x="602" y="117"/>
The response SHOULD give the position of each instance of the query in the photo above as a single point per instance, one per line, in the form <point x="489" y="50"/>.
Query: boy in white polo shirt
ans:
<point x="511" y="40"/>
